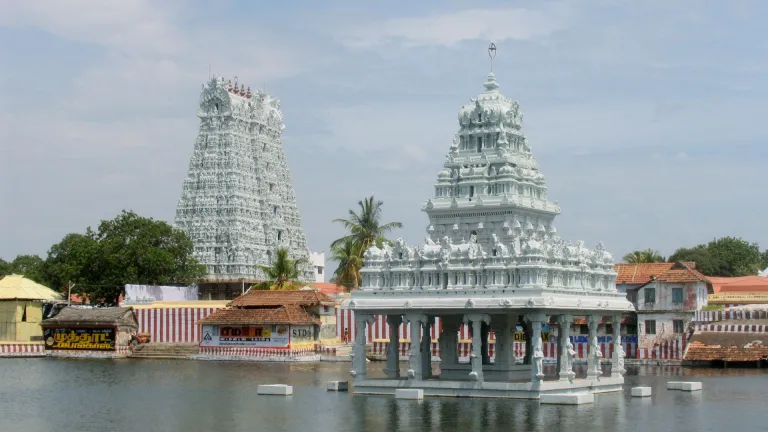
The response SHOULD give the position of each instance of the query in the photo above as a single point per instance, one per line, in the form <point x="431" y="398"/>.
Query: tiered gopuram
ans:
<point x="491" y="259"/>
<point x="237" y="203"/>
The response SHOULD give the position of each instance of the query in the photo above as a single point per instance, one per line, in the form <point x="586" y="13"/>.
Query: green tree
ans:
<point x="350" y="261"/>
<point x="643" y="256"/>
<point x="764" y="260"/>
<point x="5" y="268"/>
<point x="30" y="266"/>
<point x="73" y="260"/>
<point x="705" y="262"/>
<point x="737" y="257"/>
<point x="724" y="257"/>
<point x="365" y="228"/>
<point x="283" y="274"/>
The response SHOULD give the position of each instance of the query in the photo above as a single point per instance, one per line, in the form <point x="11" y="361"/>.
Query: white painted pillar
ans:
<point x="565" y="348"/>
<point x="393" y="349"/>
<point x="617" y="362"/>
<point x="537" y="351"/>
<point x="414" y="361"/>
<point x="476" y="358"/>
<point x="359" y="367"/>
<point x="593" y="360"/>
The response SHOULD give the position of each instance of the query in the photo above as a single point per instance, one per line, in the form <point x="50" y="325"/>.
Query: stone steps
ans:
<point x="165" y="350"/>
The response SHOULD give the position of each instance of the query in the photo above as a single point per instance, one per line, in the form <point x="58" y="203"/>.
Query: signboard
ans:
<point x="246" y="336"/>
<point x="99" y="339"/>
<point x="301" y="334"/>
<point x="520" y="336"/>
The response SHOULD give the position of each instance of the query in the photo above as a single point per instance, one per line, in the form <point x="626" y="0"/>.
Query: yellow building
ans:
<point x="22" y="303"/>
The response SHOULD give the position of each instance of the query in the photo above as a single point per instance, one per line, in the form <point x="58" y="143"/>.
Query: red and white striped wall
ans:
<point x="255" y="352"/>
<point x="10" y="349"/>
<point x="735" y="314"/>
<point x="174" y="325"/>
<point x="733" y="328"/>
<point x="672" y="349"/>
<point x="377" y="334"/>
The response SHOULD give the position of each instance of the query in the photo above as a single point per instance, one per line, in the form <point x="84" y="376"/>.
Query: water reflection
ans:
<point x="91" y="395"/>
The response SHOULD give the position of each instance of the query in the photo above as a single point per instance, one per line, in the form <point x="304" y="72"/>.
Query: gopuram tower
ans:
<point x="237" y="203"/>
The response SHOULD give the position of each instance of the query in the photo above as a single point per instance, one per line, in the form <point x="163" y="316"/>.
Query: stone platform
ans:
<point x="500" y="389"/>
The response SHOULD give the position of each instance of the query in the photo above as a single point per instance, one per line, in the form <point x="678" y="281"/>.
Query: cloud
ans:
<point x="451" y="28"/>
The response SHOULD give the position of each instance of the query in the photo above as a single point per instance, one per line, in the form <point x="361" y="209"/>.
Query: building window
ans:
<point x="650" y="296"/>
<point x="677" y="296"/>
<point x="319" y="270"/>
<point x="678" y="326"/>
<point x="650" y="327"/>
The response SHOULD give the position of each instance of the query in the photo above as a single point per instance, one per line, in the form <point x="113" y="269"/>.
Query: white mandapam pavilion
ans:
<point x="491" y="259"/>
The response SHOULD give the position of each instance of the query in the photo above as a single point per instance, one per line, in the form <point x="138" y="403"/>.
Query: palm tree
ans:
<point x="282" y="274"/>
<point x="644" y="256"/>
<point x="350" y="261"/>
<point x="365" y="228"/>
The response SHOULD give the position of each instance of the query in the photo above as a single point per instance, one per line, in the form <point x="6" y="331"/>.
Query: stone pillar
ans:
<point x="503" y="329"/>
<point x="414" y="355"/>
<point x="617" y="362"/>
<point x="393" y="349"/>
<point x="449" y="340"/>
<point x="565" y="348"/>
<point x="359" y="368"/>
<point x="593" y="360"/>
<point x="537" y="352"/>
<point x="484" y="347"/>
<point x="476" y="358"/>
<point x="426" y="348"/>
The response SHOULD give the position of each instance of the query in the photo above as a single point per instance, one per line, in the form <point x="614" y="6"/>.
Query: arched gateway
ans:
<point x="492" y="260"/>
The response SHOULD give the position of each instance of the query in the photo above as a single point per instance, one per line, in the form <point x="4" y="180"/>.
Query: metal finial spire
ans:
<point x="492" y="53"/>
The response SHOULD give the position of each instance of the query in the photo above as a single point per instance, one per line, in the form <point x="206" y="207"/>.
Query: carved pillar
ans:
<point x="537" y="354"/>
<point x="393" y="349"/>
<point x="593" y="360"/>
<point x="503" y="330"/>
<point x="476" y="358"/>
<point x="565" y="348"/>
<point x="426" y="348"/>
<point x="449" y="340"/>
<point x="617" y="362"/>
<point x="414" y="361"/>
<point x="359" y="368"/>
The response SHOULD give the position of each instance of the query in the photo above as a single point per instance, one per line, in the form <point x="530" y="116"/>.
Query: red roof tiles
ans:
<point x="280" y="298"/>
<point x="640" y="274"/>
<point x="289" y="314"/>
<point x="752" y="284"/>
<point x="328" y="288"/>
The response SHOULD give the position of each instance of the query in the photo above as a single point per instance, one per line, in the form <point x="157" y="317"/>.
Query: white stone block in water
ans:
<point x="409" y="394"/>
<point x="568" y="398"/>
<point x="674" y="385"/>
<point x="275" y="389"/>
<point x="641" y="391"/>
<point x="338" y="385"/>
<point x="690" y="386"/>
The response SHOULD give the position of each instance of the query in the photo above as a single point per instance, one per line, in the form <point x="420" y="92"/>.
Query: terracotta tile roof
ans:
<point x="328" y="288"/>
<point x="289" y="314"/>
<point x="640" y="274"/>
<point x="745" y="284"/>
<point x="730" y="347"/>
<point x="280" y="298"/>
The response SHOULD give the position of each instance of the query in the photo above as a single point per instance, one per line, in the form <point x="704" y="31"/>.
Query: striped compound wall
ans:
<point x="172" y="325"/>
<point x="11" y="349"/>
<point x="736" y="314"/>
<point x="733" y="328"/>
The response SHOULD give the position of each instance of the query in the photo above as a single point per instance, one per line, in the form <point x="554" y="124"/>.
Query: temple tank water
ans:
<point x="177" y="395"/>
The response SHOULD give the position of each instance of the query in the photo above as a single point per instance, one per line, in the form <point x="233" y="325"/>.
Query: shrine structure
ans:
<point x="237" y="203"/>
<point x="492" y="259"/>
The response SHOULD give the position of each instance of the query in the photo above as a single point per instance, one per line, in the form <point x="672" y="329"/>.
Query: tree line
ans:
<point x="99" y="262"/>
<point x="721" y="257"/>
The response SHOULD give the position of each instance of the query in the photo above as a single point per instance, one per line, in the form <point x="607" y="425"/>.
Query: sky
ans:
<point x="646" y="118"/>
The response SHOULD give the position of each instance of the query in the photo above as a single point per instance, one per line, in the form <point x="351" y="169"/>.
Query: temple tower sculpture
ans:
<point x="237" y="203"/>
